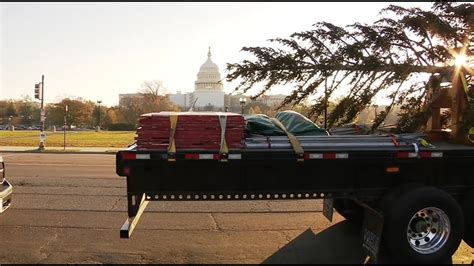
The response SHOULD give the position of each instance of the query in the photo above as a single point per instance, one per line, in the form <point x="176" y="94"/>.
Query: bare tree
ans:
<point x="152" y="89"/>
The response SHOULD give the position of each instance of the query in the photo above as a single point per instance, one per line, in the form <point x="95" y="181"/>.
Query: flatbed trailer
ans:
<point x="414" y="202"/>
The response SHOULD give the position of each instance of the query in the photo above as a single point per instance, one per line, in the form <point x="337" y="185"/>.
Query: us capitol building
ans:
<point x="208" y="94"/>
<point x="208" y="89"/>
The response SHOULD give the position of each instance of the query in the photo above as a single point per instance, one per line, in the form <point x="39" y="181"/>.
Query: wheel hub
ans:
<point x="428" y="230"/>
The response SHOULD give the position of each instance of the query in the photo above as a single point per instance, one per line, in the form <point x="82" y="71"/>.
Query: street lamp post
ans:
<point x="242" y="103"/>
<point x="10" y="122"/>
<point x="98" y="123"/>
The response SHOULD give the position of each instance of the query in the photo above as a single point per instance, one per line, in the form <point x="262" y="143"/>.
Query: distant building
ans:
<point x="208" y="94"/>
<point x="181" y="99"/>
<point x="233" y="101"/>
<point x="124" y="96"/>
<point x="272" y="100"/>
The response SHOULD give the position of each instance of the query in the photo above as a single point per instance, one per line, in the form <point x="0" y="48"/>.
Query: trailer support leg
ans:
<point x="136" y="206"/>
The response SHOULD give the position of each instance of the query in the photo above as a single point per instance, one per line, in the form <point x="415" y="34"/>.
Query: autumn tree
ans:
<point x="79" y="113"/>
<point x="111" y="117"/>
<point x="11" y="110"/>
<point x="29" y="111"/>
<point x="396" y="55"/>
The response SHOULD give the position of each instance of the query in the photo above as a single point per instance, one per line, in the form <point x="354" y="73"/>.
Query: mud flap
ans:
<point x="328" y="208"/>
<point x="372" y="233"/>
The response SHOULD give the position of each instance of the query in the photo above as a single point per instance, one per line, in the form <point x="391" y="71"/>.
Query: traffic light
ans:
<point x="38" y="91"/>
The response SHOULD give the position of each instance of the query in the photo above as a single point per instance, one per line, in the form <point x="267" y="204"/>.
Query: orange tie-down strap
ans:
<point x="295" y="143"/>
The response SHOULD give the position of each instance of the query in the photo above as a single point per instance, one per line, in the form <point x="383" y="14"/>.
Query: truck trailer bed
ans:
<point x="277" y="174"/>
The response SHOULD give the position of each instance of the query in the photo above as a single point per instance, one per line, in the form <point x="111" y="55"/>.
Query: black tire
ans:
<point x="400" y="213"/>
<point x="391" y="196"/>
<point x="468" y="208"/>
<point x="350" y="210"/>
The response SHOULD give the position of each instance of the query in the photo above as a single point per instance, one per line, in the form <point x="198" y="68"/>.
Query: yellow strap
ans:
<point x="295" y="143"/>
<point x="424" y="143"/>
<point x="224" y="151"/>
<point x="172" y="146"/>
<point x="470" y="136"/>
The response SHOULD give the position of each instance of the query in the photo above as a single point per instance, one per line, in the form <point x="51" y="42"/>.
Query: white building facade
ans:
<point x="208" y="94"/>
<point x="208" y="89"/>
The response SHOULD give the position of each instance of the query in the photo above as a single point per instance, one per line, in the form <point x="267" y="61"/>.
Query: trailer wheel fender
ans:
<point x="468" y="208"/>
<point x="424" y="225"/>
<point x="393" y="194"/>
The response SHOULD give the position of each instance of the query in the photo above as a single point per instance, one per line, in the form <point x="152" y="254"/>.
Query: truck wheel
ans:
<point x="350" y="210"/>
<point x="424" y="225"/>
<point x="468" y="208"/>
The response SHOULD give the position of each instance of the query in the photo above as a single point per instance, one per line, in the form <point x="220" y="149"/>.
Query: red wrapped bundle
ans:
<point x="194" y="131"/>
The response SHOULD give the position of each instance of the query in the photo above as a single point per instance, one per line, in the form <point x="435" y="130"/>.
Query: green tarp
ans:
<point x="261" y="124"/>
<point x="299" y="125"/>
<point x="294" y="122"/>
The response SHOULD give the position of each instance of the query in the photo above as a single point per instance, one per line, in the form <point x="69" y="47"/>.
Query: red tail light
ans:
<point x="126" y="171"/>
<point x="128" y="156"/>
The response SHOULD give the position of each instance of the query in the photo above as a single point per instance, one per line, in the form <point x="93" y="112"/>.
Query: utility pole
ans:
<point x="65" y="125"/>
<point x="42" y="116"/>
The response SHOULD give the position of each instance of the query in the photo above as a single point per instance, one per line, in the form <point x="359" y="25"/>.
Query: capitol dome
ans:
<point x="208" y="77"/>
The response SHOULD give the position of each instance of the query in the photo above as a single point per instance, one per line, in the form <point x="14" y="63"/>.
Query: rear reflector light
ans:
<point x="126" y="171"/>
<point x="204" y="156"/>
<point x="326" y="156"/>
<point x="423" y="154"/>
<point x="235" y="156"/>
<point x="207" y="156"/>
<point x="143" y="156"/>
<point x="191" y="156"/>
<point x="135" y="156"/>
<point x="128" y="156"/>
<point x="393" y="169"/>
<point x="406" y="155"/>
<point x="329" y="156"/>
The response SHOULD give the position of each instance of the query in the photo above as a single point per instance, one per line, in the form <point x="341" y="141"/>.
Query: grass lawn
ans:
<point x="114" y="139"/>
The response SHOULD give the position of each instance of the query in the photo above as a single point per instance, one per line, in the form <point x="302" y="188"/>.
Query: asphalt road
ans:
<point x="68" y="208"/>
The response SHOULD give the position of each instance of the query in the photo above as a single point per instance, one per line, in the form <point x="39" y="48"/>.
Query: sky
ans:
<point x="98" y="50"/>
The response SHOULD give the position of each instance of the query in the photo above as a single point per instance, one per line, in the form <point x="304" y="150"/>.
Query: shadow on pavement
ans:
<point x="340" y="243"/>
